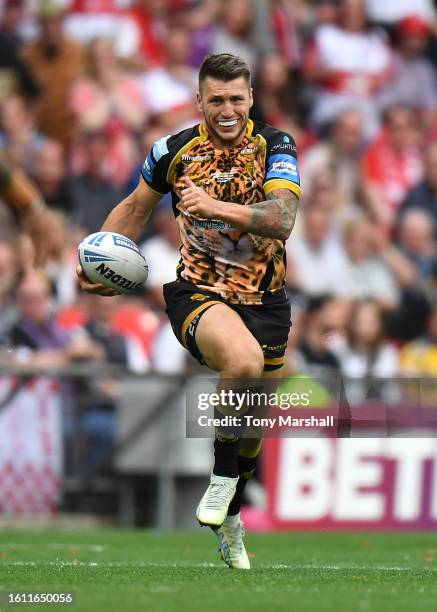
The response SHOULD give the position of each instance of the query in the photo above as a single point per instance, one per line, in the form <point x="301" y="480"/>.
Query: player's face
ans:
<point x="225" y="106"/>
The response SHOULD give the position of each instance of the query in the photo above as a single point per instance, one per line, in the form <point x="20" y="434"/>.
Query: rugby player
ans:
<point x="235" y="189"/>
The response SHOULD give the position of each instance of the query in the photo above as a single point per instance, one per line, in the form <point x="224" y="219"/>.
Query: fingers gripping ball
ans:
<point x="113" y="260"/>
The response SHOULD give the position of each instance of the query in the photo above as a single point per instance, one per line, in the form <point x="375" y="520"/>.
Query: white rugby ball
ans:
<point x="113" y="260"/>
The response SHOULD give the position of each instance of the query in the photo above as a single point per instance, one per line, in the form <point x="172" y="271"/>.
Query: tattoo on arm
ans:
<point x="275" y="217"/>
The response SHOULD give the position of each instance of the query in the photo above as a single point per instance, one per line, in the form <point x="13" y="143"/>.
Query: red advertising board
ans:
<point x="351" y="483"/>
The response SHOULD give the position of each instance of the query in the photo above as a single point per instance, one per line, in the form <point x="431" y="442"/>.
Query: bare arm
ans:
<point x="273" y="218"/>
<point x="22" y="196"/>
<point x="128" y="219"/>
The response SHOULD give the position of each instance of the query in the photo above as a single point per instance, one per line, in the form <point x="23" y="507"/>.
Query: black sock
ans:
<point x="246" y="467"/>
<point x="226" y="457"/>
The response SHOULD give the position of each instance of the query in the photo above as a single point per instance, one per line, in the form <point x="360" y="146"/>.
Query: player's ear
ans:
<point x="250" y="97"/>
<point x="199" y="102"/>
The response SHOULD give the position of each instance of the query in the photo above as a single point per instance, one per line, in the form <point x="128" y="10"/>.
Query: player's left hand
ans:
<point x="196" y="201"/>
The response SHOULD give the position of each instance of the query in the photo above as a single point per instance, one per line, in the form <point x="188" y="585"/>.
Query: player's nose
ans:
<point x="227" y="111"/>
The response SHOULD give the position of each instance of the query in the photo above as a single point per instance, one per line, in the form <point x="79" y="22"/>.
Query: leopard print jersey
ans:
<point x="214" y="255"/>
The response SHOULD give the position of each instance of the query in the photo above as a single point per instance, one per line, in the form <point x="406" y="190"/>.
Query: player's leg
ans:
<point x="250" y="448"/>
<point x="230" y="535"/>
<point x="269" y="323"/>
<point x="228" y="347"/>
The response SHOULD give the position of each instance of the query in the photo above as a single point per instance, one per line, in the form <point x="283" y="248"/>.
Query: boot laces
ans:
<point x="219" y="494"/>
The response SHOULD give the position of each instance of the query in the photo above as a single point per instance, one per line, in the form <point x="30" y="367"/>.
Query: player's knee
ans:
<point x="246" y="364"/>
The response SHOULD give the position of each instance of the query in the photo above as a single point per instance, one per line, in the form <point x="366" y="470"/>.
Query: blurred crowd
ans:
<point x="86" y="87"/>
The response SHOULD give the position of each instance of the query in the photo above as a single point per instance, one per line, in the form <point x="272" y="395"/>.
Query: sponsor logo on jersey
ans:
<point x="117" y="279"/>
<point x="198" y="297"/>
<point x="249" y="151"/>
<point x="224" y="177"/>
<point x="148" y="167"/>
<point x="284" y="146"/>
<point x="208" y="223"/>
<point x="286" y="139"/>
<point x="195" y="158"/>
<point x="283" y="166"/>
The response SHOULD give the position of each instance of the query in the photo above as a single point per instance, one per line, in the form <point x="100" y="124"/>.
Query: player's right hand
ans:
<point x="89" y="287"/>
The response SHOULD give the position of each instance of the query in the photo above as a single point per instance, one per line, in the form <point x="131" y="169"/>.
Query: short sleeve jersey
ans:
<point x="216" y="256"/>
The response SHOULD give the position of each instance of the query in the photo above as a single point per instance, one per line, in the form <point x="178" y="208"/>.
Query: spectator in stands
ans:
<point x="349" y="63"/>
<point x="339" y="154"/>
<point x="36" y="338"/>
<point x="414" y="84"/>
<point x="109" y="99"/>
<point x="315" y="355"/>
<point x="392" y="165"/>
<point x="50" y="176"/>
<point x="89" y="19"/>
<point x="99" y="395"/>
<point x="19" y="136"/>
<point x="389" y="14"/>
<point x="10" y="20"/>
<point x="14" y="74"/>
<point x="169" y="91"/>
<point x="363" y="352"/>
<point x="417" y="242"/>
<point x="286" y="17"/>
<point x="55" y="62"/>
<point x="419" y="357"/>
<point x="316" y="262"/>
<point x="424" y="195"/>
<point x="93" y="192"/>
<point x="62" y="260"/>
<point x="99" y="325"/>
<point x="9" y="271"/>
<point x="200" y="18"/>
<point x="368" y="362"/>
<point x="244" y="30"/>
<point x="273" y="99"/>
<point x="152" y="20"/>
<point x="375" y="269"/>
<point x="162" y="252"/>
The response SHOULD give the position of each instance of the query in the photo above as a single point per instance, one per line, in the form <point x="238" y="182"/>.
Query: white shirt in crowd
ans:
<point x="162" y="258"/>
<point x="317" y="271"/>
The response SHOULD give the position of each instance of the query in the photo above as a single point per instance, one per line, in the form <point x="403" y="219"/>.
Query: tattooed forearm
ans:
<point x="274" y="218"/>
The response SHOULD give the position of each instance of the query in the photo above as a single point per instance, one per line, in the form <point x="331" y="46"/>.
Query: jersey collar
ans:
<point x="203" y="131"/>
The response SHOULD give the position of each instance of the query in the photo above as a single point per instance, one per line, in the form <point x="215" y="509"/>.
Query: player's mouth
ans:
<point x="228" y="123"/>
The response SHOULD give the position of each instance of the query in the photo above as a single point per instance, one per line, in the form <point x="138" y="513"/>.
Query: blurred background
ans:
<point x="86" y="87"/>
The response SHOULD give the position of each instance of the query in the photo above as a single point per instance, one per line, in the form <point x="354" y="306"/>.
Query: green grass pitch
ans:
<point x="161" y="572"/>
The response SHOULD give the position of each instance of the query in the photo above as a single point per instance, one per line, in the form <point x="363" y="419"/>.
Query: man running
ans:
<point x="235" y="188"/>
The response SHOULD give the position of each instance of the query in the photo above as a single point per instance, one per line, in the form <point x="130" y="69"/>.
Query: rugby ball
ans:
<point x="113" y="260"/>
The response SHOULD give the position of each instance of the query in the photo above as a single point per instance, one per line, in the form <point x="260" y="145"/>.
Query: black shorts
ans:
<point x="268" y="322"/>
